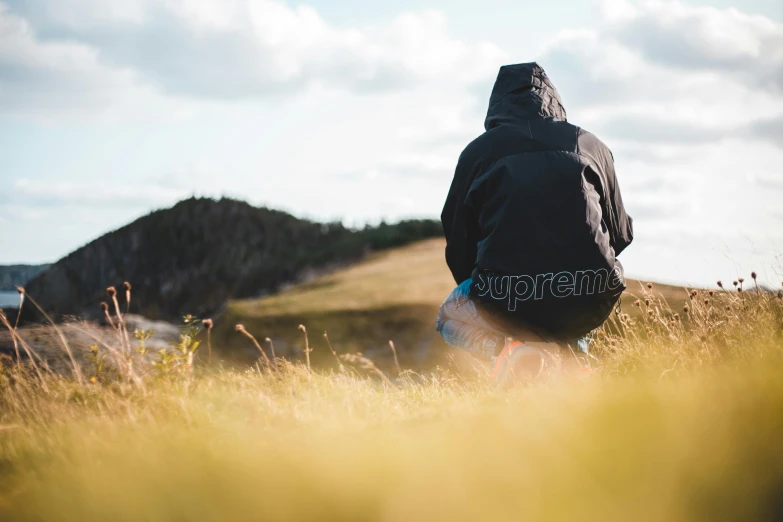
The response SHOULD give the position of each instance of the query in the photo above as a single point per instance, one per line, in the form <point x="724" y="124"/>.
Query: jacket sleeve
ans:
<point x="459" y="226"/>
<point x="618" y="222"/>
<point x="622" y="235"/>
<point x="600" y="172"/>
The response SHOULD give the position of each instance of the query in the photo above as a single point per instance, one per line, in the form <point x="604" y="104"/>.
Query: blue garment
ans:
<point x="461" y="326"/>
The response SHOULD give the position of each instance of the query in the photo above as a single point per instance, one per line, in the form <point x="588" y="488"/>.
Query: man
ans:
<point x="534" y="223"/>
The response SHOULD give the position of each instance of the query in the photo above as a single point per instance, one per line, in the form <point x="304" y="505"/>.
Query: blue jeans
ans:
<point x="461" y="326"/>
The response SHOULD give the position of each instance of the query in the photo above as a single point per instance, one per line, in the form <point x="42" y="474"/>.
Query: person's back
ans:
<point x="534" y="217"/>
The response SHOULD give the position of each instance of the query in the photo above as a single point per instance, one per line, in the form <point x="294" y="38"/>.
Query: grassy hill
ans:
<point x="192" y="257"/>
<point x="391" y="295"/>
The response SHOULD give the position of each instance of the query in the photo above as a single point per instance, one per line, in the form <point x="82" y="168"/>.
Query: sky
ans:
<point x="357" y="111"/>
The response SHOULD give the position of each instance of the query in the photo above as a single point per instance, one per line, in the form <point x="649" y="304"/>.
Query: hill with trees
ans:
<point x="12" y="276"/>
<point x="193" y="257"/>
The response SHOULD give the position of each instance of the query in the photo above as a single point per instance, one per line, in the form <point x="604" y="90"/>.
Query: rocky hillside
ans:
<point x="12" y="276"/>
<point x="193" y="257"/>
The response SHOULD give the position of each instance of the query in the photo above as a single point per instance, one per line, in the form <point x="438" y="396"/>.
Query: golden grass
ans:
<point x="392" y="295"/>
<point x="252" y="446"/>
<point x="680" y="420"/>
<point x="408" y="276"/>
<point x="411" y="275"/>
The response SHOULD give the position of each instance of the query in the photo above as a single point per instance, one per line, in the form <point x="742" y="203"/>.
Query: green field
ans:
<point x="679" y="418"/>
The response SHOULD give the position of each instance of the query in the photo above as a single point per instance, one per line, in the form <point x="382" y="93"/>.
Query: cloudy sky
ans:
<point x="357" y="111"/>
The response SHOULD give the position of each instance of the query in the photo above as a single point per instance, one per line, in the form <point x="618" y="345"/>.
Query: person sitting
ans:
<point x="534" y="222"/>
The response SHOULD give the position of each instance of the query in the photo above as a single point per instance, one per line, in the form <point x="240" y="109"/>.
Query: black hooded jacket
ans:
<point x="534" y="214"/>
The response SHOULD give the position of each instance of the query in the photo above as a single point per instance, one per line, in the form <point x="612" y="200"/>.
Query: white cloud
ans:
<point x="92" y="194"/>
<point x="230" y="49"/>
<point x="80" y="15"/>
<point x="54" y="80"/>
<point x="27" y="66"/>
<point x="748" y="47"/>
<point x="662" y="72"/>
<point x="769" y="181"/>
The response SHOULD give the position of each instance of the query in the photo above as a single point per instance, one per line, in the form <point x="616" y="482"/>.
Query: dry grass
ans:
<point x="679" y="420"/>
<point x="409" y="276"/>
<point x="393" y="295"/>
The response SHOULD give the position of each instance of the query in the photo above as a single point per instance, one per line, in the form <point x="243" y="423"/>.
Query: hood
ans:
<point x="521" y="92"/>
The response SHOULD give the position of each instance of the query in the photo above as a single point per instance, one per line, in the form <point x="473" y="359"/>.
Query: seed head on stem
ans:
<point x="19" y="289"/>
<point x="208" y="325"/>
<point x="241" y="329"/>
<point x="755" y="282"/>
<point x="272" y="351"/>
<point x="307" y="350"/>
<point x="127" y="287"/>
<point x="120" y="321"/>
<point x="329" y="344"/>
<point x="105" y="308"/>
<point x="394" y="352"/>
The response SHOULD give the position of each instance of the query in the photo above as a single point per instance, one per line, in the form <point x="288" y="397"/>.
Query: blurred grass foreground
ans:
<point x="681" y="418"/>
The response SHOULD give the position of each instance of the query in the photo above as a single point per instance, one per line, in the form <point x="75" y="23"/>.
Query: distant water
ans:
<point x="9" y="299"/>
